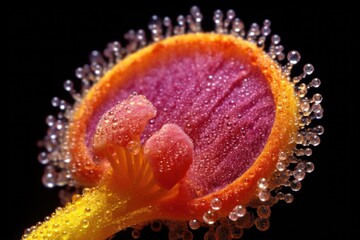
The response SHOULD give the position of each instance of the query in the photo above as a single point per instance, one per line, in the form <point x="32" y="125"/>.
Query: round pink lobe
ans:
<point x="123" y="123"/>
<point x="170" y="153"/>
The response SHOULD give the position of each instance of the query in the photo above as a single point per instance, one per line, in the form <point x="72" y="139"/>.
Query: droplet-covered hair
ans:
<point x="181" y="126"/>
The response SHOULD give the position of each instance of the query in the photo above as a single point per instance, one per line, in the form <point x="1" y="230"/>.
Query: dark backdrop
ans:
<point x="43" y="45"/>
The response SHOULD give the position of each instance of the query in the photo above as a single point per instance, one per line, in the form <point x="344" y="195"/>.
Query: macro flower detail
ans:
<point x="201" y="127"/>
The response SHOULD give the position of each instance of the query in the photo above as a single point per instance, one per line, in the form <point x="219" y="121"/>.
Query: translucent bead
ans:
<point x="282" y="156"/>
<point x="315" y="140"/>
<point x="230" y="14"/>
<point x="319" y="130"/>
<point x="299" y="174"/>
<point x="240" y="211"/>
<point x="209" y="217"/>
<point x="264" y="196"/>
<point x="288" y="198"/>
<point x="135" y="234"/>
<point x="156" y="226"/>
<point x="50" y="120"/>
<point x="267" y="23"/>
<point x="308" y="69"/>
<point x="295" y="185"/>
<point x="216" y="204"/>
<point x="194" y="224"/>
<point x="232" y="216"/>
<point x="309" y="167"/>
<point x="317" y="98"/>
<point x="236" y="233"/>
<point x="262" y="183"/>
<point x="133" y="146"/>
<point x="55" y="102"/>
<point x="275" y="39"/>
<point x="315" y="83"/>
<point x="43" y="158"/>
<point x="262" y="224"/>
<point x="293" y="57"/>
<point x="68" y="85"/>
<point x="280" y="166"/>
<point x="263" y="211"/>
<point x="307" y="151"/>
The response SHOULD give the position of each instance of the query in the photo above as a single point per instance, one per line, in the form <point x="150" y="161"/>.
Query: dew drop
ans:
<point x="262" y="224"/>
<point x="293" y="57"/>
<point x="236" y="233"/>
<point x="135" y="234"/>
<point x="295" y="185"/>
<point x="156" y="226"/>
<point x="42" y="158"/>
<point x="134" y="147"/>
<point x="232" y="216"/>
<point x="194" y="224"/>
<point x="299" y="174"/>
<point x="209" y="217"/>
<point x="85" y="223"/>
<point x="240" y="211"/>
<point x="68" y="85"/>
<point x="308" y="69"/>
<point x="216" y="203"/>
<point x="263" y="211"/>
<point x="288" y="198"/>
<point x="264" y="195"/>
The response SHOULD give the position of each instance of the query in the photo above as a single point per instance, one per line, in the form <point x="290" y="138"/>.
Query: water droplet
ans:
<point x="209" y="217"/>
<point x="299" y="174"/>
<point x="156" y="226"/>
<point x="275" y="39"/>
<point x="262" y="183"/>
<point x="85" y="223"/>
<point x="293" y="57"/>
<point x="232" y="216"/>
<point x="55" y="102"/>
<point x="240" y="211"/>
<point x="308" y="69"/>
<point x="216" y="204"/>
<point x="68" y="85"/>
<point x="134" y="147"/>
<point x="315" y="83"/>
<point x="263" y="211"/>
<point x="42" y="158"/>
<point x="262" y="224"/>
<point x="194" y="224"/>
<point x="309" y="167"/>
<point x="295" y="185"/>
<point x="135" y="234"/>
<point x="87" y="211"/>
<point x="236" y="233"/>
<point x="264" y="195"/>
<point x="288" y="198"/>
<point x="280" y="166"/>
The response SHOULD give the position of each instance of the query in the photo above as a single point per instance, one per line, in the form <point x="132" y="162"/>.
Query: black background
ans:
<point x="43" y="46"/>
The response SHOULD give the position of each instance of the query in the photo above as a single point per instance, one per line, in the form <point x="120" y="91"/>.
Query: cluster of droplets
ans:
<point x="55" y="155"/>
<point x="291" y="168"/>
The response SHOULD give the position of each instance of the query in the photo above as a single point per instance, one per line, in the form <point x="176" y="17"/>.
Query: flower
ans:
<point x="193" y="127"/>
